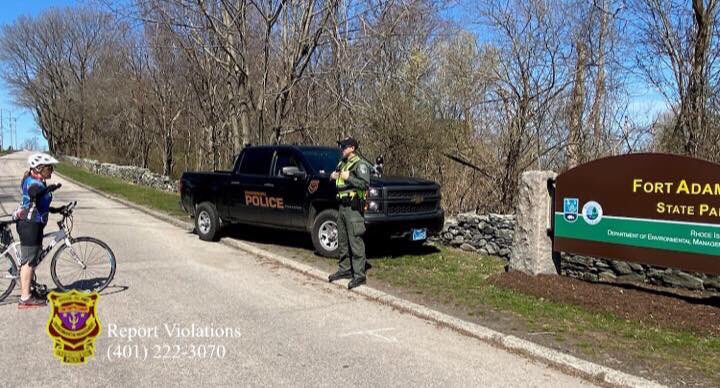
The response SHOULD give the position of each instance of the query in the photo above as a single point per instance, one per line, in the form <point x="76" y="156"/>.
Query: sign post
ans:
<point x="532" y="251"/>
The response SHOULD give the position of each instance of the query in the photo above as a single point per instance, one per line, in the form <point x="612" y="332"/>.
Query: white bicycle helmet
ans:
<point x="40" y="159"/>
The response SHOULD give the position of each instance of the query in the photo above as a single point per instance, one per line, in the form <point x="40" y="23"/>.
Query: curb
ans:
<point x="564" y="362"/>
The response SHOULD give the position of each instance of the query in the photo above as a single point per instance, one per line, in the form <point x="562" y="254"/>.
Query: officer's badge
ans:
<point x="313" y="186"/>
<point x="570" y="209"/>
<point x="73" y="325"/>
<point x="363" y="169"/>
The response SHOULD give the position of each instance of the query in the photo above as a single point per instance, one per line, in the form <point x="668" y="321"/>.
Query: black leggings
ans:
<point x="31" y="235"/>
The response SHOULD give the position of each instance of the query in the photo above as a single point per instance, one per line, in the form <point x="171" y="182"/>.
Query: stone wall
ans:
<point x="487" y="234"/>
<point x="137" y="175"/>
<point x="596" y="269"/>
<point x="493" y="235"/>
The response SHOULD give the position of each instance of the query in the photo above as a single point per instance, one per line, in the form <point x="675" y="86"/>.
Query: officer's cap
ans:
<point x="348" y="142"/>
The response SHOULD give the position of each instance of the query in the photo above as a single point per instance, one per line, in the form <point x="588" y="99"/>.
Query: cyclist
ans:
<point x="32" y="216"/>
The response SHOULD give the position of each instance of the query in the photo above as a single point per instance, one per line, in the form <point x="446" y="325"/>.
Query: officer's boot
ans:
<point x="356" y="282"/>
<point x="340" y="275"/>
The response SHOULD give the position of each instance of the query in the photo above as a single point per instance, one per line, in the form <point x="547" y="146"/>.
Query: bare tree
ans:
<point x="31" y="144"/>
<point x="49" y="62"/>
<point x="168" y="90"/>
<point x="576" y="107"/>
<point x="531" y="79"/>
<point x="678" y="55"/>
<point x="595" y="47"/>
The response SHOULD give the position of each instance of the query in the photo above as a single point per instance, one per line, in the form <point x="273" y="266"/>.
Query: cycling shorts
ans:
<point x="31" y="235"/>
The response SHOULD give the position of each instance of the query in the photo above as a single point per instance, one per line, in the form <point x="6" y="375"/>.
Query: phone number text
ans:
<point x="140" y="352"/>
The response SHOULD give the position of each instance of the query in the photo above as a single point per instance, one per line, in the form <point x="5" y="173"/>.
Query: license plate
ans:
<point x="419" y="234"/>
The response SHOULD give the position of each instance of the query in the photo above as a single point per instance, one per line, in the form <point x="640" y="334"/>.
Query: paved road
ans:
<point x="287" y="329"/>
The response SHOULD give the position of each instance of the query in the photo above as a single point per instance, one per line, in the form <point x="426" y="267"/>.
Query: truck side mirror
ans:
<point x="379" y="161"/>
<point x="293" y="172"/>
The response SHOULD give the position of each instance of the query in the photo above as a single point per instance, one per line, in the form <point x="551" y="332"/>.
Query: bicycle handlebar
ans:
<point x="67" y="210"/>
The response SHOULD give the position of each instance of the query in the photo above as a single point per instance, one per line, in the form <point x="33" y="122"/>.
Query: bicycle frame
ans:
<point x="12" y="250"/>
<point x="62" y="234"/>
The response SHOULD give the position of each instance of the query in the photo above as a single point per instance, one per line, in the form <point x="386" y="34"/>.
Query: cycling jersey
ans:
<point x="35" y="200"/>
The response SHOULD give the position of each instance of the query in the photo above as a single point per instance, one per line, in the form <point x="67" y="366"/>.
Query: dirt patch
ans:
<point x="668" y="308"/>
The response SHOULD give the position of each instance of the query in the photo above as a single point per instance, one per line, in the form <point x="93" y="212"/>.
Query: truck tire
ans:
<point x="324" y="233"/>
<point x="207" y="222"/>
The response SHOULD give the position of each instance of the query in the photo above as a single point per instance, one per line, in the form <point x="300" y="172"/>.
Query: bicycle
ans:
<point x="66" y="262"/>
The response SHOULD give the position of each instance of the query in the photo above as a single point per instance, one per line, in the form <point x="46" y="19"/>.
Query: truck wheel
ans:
<point x="325" y="233"/>
<point x="207" y="222"/>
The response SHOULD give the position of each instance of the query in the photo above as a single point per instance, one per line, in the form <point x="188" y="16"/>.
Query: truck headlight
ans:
<point x="373" y="206"/>
<point x="374" y="192"/>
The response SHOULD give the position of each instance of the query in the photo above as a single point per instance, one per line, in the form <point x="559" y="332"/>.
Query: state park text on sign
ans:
<point x="648" y="208"/>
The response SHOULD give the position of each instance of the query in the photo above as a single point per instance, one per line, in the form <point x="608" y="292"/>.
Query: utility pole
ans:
<point x="14" y="134"/>
<point x="15" y="145"/>
<point x="12" y="143"/>
<point x="10" y="129"/>
<point x="1" y="130"/>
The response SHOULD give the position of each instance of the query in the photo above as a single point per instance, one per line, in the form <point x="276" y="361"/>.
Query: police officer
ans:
<point x="352" y="178"/>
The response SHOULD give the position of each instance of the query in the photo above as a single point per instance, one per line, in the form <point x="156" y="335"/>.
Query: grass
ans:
<point x="152" y="198"/>
<point x="460" y="279"/>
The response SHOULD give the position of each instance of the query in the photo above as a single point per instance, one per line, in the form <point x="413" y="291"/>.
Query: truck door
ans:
<point x="249" y="185"/>
<point x="290" y="188"/>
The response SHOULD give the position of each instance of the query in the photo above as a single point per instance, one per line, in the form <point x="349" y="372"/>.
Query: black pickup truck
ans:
<point x="288" y="187"/>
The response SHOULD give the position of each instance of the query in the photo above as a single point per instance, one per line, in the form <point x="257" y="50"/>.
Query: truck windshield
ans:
<point x="323" y="161"/>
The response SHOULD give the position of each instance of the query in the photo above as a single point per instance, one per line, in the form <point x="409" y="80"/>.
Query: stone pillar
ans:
<point x="532" y="244"/>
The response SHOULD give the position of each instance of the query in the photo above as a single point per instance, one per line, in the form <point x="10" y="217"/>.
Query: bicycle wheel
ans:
<point x="8" y="275"/>
<point x="87" y="265"/>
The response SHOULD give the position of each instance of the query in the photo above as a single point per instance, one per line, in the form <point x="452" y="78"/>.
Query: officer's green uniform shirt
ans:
<point x="350" y="223"/>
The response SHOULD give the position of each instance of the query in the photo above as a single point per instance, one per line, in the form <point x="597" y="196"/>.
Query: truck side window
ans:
<point x="256" y="161"/>
<point x="285" y="159"/>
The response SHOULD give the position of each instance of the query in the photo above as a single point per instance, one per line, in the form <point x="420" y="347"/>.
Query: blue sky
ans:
<point x="26" y="126"/>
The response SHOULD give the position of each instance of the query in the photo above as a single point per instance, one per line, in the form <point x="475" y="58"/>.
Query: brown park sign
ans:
<point x="647" y="208"/>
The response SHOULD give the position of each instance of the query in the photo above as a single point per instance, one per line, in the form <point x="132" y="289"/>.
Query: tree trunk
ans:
<point x="698" y="82"/>
<point x="239" y="77"/>
<point x="168" y="157"/>
<point x="240" y="139"/>
<point x="577" y="103"/>
<point x="595" y="114"/>
<point x="691" y="120"/>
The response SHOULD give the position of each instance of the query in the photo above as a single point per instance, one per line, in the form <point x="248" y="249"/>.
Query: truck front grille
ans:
<point x="394" y="194"/>
<point x="408" y="200"/>
<point x="412" y="208"/>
